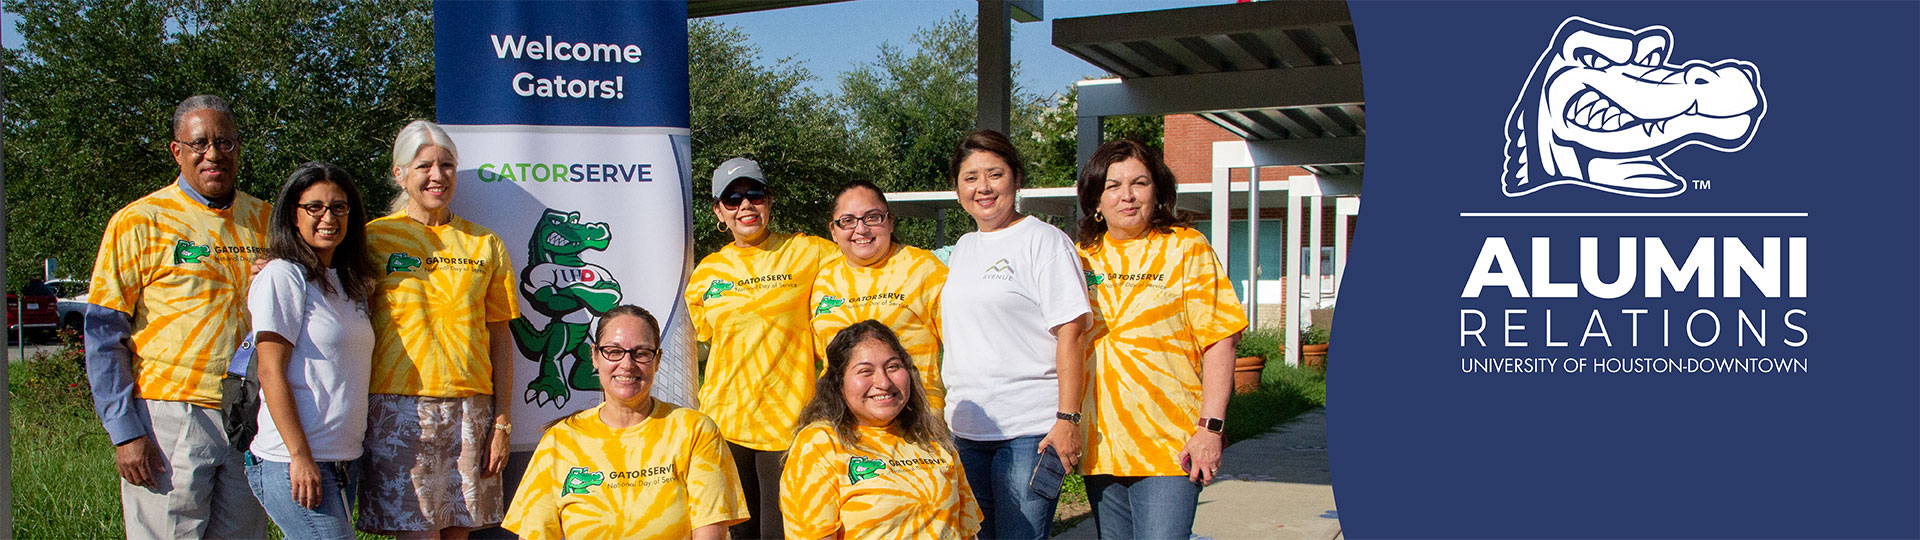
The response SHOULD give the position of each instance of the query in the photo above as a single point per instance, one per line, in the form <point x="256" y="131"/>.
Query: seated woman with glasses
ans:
<point x="632" y="467"/>
<point x="873" y="460"/>
<point x="881" y="280"/>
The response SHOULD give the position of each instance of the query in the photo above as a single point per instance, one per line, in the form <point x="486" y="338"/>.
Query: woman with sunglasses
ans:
<point x="314" y="343"/>
<point x="1011" y="312"/>
<point x="442" y="389"/>
<point x="748" y="301"/>
<point x="632" y="467"/>
<point x="882" y="280"/>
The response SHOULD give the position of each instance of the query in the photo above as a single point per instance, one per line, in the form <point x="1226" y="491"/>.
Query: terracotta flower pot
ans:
<point x="1246" y="373"/>
<point x="1314" y="357"/>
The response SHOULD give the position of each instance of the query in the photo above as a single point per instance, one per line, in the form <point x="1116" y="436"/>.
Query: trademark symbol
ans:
<point x="1702" y="184"/>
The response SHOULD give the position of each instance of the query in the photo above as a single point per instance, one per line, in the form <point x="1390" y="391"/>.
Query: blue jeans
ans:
<point x="1143" y="506"/>
<point x="998" y="472"/>
<point x="272" y="483"/>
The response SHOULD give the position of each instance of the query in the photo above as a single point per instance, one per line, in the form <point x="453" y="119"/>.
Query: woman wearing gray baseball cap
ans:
<point x="748" y="301"/>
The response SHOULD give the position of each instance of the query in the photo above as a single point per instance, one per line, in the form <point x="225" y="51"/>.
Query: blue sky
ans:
<point x="832" y="39"/>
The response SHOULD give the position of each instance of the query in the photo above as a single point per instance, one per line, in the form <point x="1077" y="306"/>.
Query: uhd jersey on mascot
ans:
<point x="572" y="121"/>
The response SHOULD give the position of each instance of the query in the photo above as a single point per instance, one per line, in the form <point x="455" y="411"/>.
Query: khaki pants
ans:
<point x="203" y="492"/>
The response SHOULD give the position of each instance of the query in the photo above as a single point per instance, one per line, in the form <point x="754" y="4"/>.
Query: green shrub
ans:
<point x="1264" y="343"/>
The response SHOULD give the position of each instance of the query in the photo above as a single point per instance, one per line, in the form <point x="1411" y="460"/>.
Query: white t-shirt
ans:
<point x="1005" y="292"/>
<point x="332" y="360"/>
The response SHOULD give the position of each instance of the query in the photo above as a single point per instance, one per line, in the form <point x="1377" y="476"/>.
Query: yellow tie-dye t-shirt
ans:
<point x="438" y="288"/>
<point x="750" y="306"/>
<point x="662" y="479"/>
<point x="901" y="291"/>
<point x="181" y="271"/>
<point x="1158" y="302"/>
<point x="884" y="487"/>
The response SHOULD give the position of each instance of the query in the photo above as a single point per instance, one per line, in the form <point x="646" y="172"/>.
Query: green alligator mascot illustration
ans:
<point x="717" y="287"/>
<point x="571" y="293"/>
<point x="579" y="479"/>
<point x="185" y="251"/>
<point x="402" y="262"/>
<point x="859" y="468"/>
<point x="827" y="303"/>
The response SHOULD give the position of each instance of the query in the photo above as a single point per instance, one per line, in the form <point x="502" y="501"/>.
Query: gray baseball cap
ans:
<point x="735" y="169"/>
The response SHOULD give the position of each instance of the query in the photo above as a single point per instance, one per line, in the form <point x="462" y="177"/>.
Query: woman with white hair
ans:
<point x="438" y="424"/>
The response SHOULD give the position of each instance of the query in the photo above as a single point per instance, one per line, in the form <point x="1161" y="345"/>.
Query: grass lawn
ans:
<point x="64" y="484"/>
<point x="64" y="479"/>
<point x="1285" y="392"/>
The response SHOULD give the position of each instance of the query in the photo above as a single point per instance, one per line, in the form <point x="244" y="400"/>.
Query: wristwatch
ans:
<point x="1071" y="418"/>
<point x="1215" y="425"/>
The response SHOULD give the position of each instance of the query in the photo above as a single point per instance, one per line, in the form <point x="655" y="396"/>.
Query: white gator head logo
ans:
<point x="1603" y="106"/>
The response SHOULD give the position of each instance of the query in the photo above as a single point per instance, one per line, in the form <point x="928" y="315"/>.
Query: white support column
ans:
<point x="1343" y="208"/>
<point x="1221" y="214"/>
<point x="1290" y="302"/>
<point x="1314" y="218"/>
<point x="1253" y="247"/>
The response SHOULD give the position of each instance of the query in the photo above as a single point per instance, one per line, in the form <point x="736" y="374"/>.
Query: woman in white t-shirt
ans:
<point x="314" y="345"/>
<point x="1012" y="312"/>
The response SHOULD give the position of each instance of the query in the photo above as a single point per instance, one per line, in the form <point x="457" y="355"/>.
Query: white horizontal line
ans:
<point x="1638" y="214"/>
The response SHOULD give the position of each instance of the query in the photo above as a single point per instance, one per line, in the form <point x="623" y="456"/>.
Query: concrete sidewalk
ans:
<point x="1277" y="486"/>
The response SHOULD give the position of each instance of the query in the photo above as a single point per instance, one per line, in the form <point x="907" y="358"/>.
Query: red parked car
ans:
<point x="39" y="316"/>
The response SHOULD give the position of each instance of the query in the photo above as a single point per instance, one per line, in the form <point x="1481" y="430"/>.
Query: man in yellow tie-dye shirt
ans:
<point x="896" y="284"/>
<point x="166" y="310"/>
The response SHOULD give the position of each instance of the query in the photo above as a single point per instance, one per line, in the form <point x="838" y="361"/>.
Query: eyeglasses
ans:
<point x="872" y="219"/>
<point x="313" y="209"/>
<point x="644" y="355"/>
<point x="732" y="199"/>
<point x="225" y="145"/>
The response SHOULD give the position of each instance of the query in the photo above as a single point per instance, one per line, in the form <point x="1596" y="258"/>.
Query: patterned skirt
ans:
<point x="424" y="465"/>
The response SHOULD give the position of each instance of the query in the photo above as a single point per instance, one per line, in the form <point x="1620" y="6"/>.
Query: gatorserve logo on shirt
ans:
<point x="402" y="261"/>
<point x="189" y="252"/>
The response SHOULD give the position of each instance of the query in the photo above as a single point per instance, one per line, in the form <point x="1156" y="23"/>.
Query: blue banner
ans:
<point x="1633" y="270"/>
<point x="561" y="63"/>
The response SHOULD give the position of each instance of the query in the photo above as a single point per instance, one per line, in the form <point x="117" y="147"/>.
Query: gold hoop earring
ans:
<point x="722" y="226"/>
<point x="1097" y="218"/>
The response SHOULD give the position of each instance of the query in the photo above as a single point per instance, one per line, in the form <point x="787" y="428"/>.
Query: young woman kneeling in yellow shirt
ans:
<point x="633" y="467"/>
<point x="873" y="460"/>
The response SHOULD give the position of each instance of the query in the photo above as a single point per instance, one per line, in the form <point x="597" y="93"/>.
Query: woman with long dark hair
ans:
<point x="1165" y="322"/>
<point x="314" y="345"/>
<point x="872" y="459"/>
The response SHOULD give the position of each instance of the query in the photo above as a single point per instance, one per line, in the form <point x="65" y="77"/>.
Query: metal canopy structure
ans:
<point x="1285" y="75"/>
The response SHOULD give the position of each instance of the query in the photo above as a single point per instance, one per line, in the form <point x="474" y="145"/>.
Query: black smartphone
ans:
<point x="1048" y="474"/>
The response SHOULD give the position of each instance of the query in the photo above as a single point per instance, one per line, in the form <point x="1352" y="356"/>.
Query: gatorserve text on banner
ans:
<point x="1626" y="273"/>
<point x="572" y="123"/>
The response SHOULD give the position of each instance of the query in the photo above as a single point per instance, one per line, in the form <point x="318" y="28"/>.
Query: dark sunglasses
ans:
<point x="732" y="199"/>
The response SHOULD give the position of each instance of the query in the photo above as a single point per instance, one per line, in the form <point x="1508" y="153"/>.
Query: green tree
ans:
<point x="90" y="95"/>
<point x="1056" y="154"/>
<point x="908" y="109"/>
<point x="744" y="108"/>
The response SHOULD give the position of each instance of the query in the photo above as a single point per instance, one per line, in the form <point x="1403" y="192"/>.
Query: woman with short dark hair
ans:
<point x="633" y="467"/>
<point x="1011" y="313"/>
<point x="1165" y="318"/>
